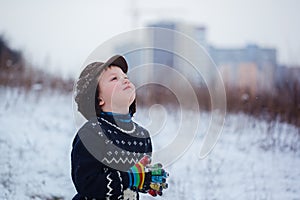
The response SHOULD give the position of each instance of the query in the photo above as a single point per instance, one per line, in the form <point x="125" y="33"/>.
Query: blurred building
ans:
<point x="164" y="43"/>
<point x="287" y="76"/>
<point x="181" y="46"/>
<point x="251" y="68"/>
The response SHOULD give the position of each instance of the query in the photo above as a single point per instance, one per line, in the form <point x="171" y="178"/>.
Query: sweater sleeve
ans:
<point x="90" y="176"/>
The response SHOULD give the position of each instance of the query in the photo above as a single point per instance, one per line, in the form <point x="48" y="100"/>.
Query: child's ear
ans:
<point x="101" y="102"/>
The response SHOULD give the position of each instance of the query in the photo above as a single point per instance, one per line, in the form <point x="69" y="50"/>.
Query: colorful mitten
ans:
<point x="137" y="175"/>
<point x="146" y="178"/>
<point x="158" y="179"/>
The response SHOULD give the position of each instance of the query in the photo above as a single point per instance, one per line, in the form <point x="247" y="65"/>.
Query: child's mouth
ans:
<point x="127" y="87"/>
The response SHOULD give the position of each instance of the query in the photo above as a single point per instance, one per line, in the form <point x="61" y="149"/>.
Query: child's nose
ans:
<point x="125" y="80"/>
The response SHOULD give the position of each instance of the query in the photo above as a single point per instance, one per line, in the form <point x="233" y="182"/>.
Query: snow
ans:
<point x="253" y="158"/>
<point x="35" y="141"/>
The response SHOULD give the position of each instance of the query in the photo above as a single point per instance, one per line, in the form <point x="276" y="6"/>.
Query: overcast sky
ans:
<point x="60" y="34"/>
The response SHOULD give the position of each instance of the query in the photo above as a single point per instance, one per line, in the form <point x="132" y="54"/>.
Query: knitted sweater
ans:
<point x="103" y="150"/>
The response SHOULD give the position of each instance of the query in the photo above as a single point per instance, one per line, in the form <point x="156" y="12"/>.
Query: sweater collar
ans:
<point x="116" y="117"/>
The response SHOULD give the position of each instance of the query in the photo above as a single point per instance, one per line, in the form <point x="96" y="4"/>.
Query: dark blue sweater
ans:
<point x="102" y="153"/>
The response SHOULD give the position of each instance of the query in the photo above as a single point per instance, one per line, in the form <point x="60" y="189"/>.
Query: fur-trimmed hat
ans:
<point x="86" y="93"/>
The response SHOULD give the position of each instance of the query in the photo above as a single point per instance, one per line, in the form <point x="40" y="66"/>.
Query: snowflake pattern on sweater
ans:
<point x="102" y="154"/>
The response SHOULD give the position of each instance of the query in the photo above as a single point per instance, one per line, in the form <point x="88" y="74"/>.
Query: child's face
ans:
<point x="116" y="91"/>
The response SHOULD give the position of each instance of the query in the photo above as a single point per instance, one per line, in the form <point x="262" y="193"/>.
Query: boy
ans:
<point x="111" y="154"/>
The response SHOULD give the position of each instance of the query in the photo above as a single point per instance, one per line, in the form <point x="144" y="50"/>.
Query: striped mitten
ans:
<point x="139" y="179"/>
<point x="144" y="177"/>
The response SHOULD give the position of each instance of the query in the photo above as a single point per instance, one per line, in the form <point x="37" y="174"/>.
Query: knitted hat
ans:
<point x="86" y="94"/>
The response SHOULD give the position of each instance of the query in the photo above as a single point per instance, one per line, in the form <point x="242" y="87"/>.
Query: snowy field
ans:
<point x="253" y="159"/>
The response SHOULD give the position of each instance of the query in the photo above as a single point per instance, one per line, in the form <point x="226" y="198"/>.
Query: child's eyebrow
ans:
<point x="115" y="73"/>
<point x="112" y="74"/>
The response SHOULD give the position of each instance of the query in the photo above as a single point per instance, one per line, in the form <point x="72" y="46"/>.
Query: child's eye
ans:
<point x="113" y="78"/>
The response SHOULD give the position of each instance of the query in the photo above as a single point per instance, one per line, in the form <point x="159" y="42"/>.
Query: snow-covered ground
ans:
<point x="253" y="159"/>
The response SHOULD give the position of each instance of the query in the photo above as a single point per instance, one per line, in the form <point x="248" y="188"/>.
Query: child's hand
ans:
<point x="138" y="177"/>
<point x="148" y="178"/>
<point x="158" y="179"/>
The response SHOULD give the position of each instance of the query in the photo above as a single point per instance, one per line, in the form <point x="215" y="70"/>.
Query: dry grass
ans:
<point x="283" y="103"/>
